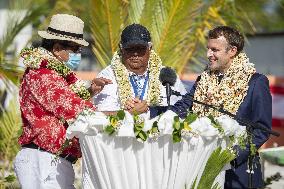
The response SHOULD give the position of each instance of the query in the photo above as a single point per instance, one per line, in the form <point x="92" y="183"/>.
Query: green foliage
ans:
<point x="7" y="181"/>
<point x="107" y="18"/>
<point x="138" y="128"/>
<point x="177" y="27"/>
<point x="21" y="14"/>
<point x="218" y="159"/>
<point x="258" y="16"/>
<point x="120" y="114"/>
<point x="10" y="129"/>
<point x="154" y="129"/>
<point x="178" y="126"/>
<point x="191" y="117"/>
<point x="216" y="124"/>
<point x="114" y="122"/>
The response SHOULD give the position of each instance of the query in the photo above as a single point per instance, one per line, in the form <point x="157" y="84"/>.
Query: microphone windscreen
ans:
<point x="168" y="75"/>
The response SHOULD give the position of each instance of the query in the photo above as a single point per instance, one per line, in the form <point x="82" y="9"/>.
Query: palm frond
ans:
<point x="171" y="30"/>
<point x="136" y="10"/>
<point x="107" y="21"/>
<point x="18" y="19"/>
<point x="178" y="27"/>
<point x="10" y="124"/>
<point x="11" y="71"/>
<point x="21" y="13"/>
<point x="217" y="160"/>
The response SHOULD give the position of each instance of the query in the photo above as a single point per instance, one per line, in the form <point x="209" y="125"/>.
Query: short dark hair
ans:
<point x="233" y="36"/>
<point x="48" y="43"/>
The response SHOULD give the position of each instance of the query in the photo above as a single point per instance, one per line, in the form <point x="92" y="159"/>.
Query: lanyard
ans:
<point x="135" y="86"/>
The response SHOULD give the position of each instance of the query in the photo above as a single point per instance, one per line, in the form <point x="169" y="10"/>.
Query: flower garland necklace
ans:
<point x="231" y="91"/>
<point x="36" y="58"/>
<point x="122" y="77"/>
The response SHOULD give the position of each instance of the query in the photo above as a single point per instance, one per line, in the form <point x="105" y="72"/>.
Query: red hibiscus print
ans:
<point x="71" y="78"/>
<point x="43" y="63"/>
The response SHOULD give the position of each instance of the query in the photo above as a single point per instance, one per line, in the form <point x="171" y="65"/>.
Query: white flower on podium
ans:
<point x="148" y="123"/>
<point x="202" y="126"/>
<point x="88" y="122"/>
<point x="229" y="125"/>
<point x="165" y="123"/>
<point x="126" y="128"/>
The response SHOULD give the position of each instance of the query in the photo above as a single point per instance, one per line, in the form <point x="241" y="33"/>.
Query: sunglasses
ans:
<point x="136" y="49"/>
<point x="73" y="47"/>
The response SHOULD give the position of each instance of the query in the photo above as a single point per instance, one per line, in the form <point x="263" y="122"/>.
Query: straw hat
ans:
<point x="65" y="27"/>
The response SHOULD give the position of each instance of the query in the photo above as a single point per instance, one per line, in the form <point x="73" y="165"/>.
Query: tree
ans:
<point x="178" y="27"/>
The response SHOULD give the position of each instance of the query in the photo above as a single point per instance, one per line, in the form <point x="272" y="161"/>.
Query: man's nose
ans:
<point x="209" y="53"/>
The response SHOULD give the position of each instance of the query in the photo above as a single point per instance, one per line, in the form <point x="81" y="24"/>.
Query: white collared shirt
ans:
<point x="108" y="100"/>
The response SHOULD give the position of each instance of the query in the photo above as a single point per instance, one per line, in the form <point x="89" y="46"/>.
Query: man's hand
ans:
<point x="98" y="84"/>
<point x="136" y="106"/>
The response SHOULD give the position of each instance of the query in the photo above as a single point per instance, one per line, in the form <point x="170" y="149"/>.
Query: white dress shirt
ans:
<point x="108" y="100"/>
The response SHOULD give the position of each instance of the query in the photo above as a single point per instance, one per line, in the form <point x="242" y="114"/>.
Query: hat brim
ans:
<point x="134" y="43"/>
<point x="47" y="35"/>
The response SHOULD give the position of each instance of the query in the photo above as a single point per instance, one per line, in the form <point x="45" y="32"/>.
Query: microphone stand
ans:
<point x="249" y="125"/>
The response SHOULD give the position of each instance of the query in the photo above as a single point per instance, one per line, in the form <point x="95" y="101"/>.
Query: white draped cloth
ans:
<point x="122" y="162"/>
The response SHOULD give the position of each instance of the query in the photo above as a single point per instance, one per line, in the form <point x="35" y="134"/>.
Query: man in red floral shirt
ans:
<point x="51" y="98"/>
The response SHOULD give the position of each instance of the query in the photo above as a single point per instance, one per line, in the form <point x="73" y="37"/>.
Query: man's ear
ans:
<point x="120" y="46"/>
<point x="150" y="45"/>
<point x="233" y="51"/>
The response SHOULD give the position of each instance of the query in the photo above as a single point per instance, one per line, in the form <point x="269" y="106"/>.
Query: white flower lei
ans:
<point x="33" y="58"/>
<point x="122" y="78"/>
<point x="231" y="91"/>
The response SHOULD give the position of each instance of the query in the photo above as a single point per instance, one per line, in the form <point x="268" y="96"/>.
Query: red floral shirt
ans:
<point x="46" y="103"/>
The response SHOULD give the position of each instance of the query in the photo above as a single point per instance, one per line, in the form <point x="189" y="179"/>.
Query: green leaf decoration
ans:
<point x="216" y="186"/>
<point x="216" y="124"/>
<point x="176" y="118"/>
<point x="191" y="117"/>
<point x="136" y="132"/>
<point x="155" y="128"/>
<point x="176" y="136"/>
<point x="109" y="129"/>
<point x="176" y="124"/>
<point x="142" y="135"/>
<point x="212" y="119"/>
<point x="139" y="127"/>
<point x="10" y="178"/>
<point x="120" y="114"/>
<point x="218" y="159"/>
<point x="193" y="184"/>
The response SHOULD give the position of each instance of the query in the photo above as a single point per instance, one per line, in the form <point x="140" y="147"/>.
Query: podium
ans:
<point x="120" y="161"/>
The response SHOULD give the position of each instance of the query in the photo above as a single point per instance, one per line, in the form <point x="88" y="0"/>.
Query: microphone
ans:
<point x="168" y="78"/>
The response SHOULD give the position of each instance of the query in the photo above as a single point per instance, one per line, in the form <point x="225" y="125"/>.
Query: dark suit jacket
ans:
<point x="256" y="107"/>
